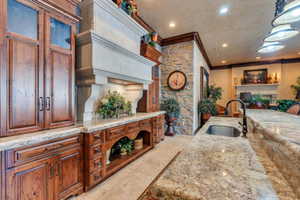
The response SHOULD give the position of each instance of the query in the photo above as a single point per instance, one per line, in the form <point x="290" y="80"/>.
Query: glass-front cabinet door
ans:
<point x="24" y="64"/>
<point x="60" y="50"/>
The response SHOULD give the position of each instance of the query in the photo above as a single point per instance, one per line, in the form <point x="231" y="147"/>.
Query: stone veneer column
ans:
<point x="179" y="57"/>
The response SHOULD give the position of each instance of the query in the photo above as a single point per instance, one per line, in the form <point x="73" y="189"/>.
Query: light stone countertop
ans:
<point x="98" y="125"/>
<point x="215" y="168"/>
<point x="279" y="126"/>
<point x="12" y="142"/>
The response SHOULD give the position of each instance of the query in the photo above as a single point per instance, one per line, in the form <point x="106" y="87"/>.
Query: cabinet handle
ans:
<point x="41" y="104"/>
<point x="48" y="103"/>
<point x="51" y="172"/>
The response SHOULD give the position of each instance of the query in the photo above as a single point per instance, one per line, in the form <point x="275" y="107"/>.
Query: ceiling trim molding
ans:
<point x="192" y="36"/>
<point x="266" y="62"/>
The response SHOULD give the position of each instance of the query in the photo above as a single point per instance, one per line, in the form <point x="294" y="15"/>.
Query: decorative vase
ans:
<point x="154" y="37"/>
<point x="138" y="144"/>
<point x="206" y="116"/>
<point x="118" y="2"/>
<point x="107" y="156"/>
<point x="170" y="118"/>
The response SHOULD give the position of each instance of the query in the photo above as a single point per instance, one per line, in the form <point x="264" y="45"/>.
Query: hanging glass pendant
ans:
<point x="281" y="32"/>
<point x="290" y="14"/>
<point x="269" y="47"/>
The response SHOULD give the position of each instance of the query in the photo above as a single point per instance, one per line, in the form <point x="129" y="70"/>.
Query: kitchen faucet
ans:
<point x="244" y="125"/>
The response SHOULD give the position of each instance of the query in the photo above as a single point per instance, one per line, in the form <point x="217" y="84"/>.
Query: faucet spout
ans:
<point x="244" y="124"/>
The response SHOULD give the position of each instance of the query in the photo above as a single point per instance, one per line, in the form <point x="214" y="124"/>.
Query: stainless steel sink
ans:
<point x="223" y="131"/>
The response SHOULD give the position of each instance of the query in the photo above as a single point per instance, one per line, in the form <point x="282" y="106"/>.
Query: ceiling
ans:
<point x="243" y="28"/>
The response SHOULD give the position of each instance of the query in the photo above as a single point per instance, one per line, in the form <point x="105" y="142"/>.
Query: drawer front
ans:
<point x="95" y="151"/>
<point x="19" y="156"/>
<point x="146" y="123"/>
<point x="133" y="127"/>
<point x="94" y="164"/>
<point x="94" y="178"/>
<point x="114" y="133"/>
<point x="96" y="138"/>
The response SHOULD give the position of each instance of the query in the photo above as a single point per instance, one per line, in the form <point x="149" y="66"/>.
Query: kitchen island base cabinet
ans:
<point x="101" y="163"/>
<point x="49" y="171"/>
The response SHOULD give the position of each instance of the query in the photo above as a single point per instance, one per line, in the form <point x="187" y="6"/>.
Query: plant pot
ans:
<point x="206" y="116"/>
<point x="118" y="2"/>
<point x="154" y="37"/>
<point x="170" y="118"/>
<point x="138" y="144"/>
<point x="123" y="153"/>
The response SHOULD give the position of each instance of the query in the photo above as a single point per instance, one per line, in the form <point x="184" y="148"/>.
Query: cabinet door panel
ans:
<point x="59" y="72"/>
<point x="69" y="174"/>
<point x="30" y="182"/>
<point x="24" y="50"/>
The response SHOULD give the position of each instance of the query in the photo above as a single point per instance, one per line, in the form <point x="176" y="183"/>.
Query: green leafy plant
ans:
<point x="149" y="38"/>
<point x="207" y="106"/>
<point x="285" y="104"/>
<point x="113" y="105"/>
<point x="215" y="93"/>
<point x="296" y="88"/>
<point x="171" y="106"/>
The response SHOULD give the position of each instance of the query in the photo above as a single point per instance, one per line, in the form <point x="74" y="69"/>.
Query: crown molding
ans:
<point x="192" y="36"/>
<point x="257" y="63"/>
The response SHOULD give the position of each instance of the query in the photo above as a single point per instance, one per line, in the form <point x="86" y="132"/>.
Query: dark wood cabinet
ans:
<point x="30" y="182"/>
<point x="47" y="171"/>
<point x="37" y="69"/>
<point x="150" y="100"/>
<point x="100" y="163"/>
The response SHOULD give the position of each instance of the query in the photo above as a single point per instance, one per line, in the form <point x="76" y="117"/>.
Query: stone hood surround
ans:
<point x="108" y="47"/>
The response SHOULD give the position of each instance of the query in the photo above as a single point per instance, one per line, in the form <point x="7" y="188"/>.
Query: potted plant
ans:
<point x="207" y="108"/>
<point x="284" y="104"/>
<point x="172" y="108"/>
<point x="215" y="93"/>
<point x="113" y="105"/>
<point x="296" y="88"/>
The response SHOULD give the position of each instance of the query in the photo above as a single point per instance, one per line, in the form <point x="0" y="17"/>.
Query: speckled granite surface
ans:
<point x="37" y="137"/>
<point x="98" y="125"/>
<point x="279" y="135"/>
<point x="42" y="136"/>
<point x="282" y="126"/>
<point x="215" y="168"/>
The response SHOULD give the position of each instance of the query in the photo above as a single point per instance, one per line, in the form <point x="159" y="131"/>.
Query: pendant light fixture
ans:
<point x="281" y="32"/>
<point x="269" y="47"/>
<point x="289" y="14"/>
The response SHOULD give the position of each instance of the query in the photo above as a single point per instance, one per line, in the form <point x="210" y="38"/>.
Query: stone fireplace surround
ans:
<point x="109" y="57"/>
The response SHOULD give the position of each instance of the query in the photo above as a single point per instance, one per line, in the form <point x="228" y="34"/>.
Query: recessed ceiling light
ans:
<point x="225" y="45"/>
<point x="223" y="10"/>
<point x="224" y="61"/>
<point x="172" y="25"/>
<point x="258" y="58"/>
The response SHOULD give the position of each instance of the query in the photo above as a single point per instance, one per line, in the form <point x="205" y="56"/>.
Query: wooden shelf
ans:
<point x="121" y="161"/>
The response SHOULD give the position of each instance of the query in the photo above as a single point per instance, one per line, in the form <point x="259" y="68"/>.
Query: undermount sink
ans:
<point x="223" y="131"/>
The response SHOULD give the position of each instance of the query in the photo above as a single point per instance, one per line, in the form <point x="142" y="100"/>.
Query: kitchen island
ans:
<point x="215" y="168"/>
<point x="279" y="135"/>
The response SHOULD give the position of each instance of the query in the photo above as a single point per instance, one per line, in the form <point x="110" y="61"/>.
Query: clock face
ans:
<point x="177" y="80"/>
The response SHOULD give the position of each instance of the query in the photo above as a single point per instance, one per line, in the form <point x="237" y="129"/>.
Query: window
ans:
<point x="60" y="34"/>
<point x="22" y="19"/>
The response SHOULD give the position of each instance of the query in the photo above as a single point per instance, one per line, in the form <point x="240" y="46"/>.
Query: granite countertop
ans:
<point x="215" y="168"/>
<point x="282" y="127"/>
<point x="98" y="125"/>
<point x="12" y="142"/>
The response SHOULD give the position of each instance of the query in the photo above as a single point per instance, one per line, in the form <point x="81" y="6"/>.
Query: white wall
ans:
<point x="198" y="62"/>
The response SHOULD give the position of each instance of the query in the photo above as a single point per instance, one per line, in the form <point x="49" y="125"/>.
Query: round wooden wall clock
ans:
<point x="177" y="80"/>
